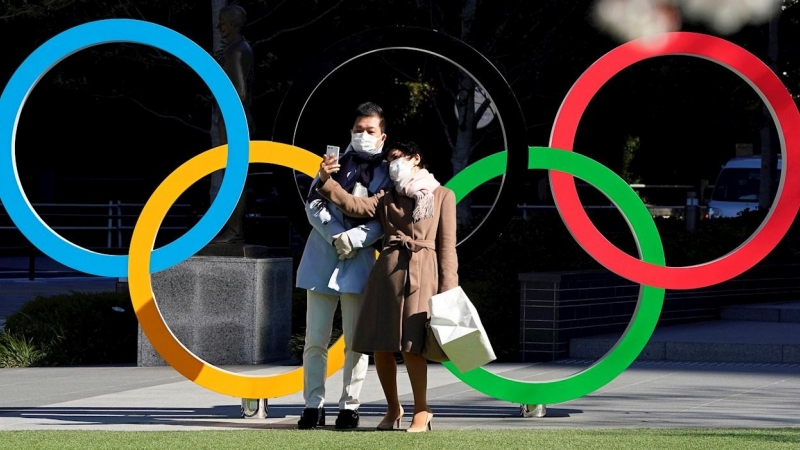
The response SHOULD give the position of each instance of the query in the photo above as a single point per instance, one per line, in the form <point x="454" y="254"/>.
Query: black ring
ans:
<point x="438" y="44"/>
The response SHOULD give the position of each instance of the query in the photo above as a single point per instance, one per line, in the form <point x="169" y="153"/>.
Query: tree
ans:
<point x="34" y="22"/>
<point x="113" y="90"/>
<point x="768" y="159"/>
<point x="465" y="104"/>
<point x="501" y="33"/>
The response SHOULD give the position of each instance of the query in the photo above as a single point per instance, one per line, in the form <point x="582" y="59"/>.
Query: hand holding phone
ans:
<point x="328" y="167"/>
<point x="333" y="150"/>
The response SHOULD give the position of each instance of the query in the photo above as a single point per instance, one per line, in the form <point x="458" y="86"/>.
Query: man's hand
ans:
<point x="328" y="166"/>
<point x="344" y="248"/>
<point x="350" y="255"/>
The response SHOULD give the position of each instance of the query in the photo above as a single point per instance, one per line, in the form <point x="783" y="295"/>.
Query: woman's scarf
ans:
<point x="419" y="186"/>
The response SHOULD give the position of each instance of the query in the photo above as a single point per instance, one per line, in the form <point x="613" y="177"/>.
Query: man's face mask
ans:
<point x="364" y="142"/>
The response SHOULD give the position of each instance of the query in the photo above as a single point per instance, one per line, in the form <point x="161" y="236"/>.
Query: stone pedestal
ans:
<point x="225" y="310"/>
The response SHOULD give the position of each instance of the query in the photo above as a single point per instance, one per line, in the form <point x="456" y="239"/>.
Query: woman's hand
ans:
<point x="328" y="166"/>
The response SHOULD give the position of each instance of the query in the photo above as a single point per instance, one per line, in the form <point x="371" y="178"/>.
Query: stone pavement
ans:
<point x="647" y="395"/>
<point x="660" y="392"/>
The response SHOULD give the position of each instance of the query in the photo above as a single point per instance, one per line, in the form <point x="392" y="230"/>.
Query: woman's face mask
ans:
<point x="400" y="168"/>
<point x="364" y="142"/>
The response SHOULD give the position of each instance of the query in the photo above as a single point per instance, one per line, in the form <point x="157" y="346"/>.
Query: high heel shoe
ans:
<point x="391" y="425"/>
<point x="426" y="427"/>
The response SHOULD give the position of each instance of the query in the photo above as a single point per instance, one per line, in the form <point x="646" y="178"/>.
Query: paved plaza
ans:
<point x="647" y="395"/>
<point x="659" y="393"/>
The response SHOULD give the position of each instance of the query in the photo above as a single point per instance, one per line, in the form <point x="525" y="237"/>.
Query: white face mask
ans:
<point x="400" y="168"/>
<point x="364" y="142"/>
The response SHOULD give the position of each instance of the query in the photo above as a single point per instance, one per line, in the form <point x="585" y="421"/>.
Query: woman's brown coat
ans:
<point x="418" y="260"/>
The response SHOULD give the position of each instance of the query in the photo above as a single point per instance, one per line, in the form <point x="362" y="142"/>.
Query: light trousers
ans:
<point x="320" y="310"/>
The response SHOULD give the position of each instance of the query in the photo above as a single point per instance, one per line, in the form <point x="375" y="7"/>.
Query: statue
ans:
<point x="237" y="61"/>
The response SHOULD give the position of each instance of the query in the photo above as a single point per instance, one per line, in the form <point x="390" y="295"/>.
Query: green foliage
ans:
<point x="18" y="351"/>
<point x="78" y="328"/>
<point x="419" y="92"/>
<point x="629" y="162"/>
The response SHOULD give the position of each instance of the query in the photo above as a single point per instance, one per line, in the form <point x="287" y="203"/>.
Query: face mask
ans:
<point x="364" y="142"/>
<point x="400" y="168"/>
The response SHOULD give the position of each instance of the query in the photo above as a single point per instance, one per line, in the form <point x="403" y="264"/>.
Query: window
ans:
<point x="738" y="185"/>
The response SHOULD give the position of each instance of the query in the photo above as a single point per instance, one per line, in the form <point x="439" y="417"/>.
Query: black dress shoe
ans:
<point x="348" y="418"/>
<point x="311" y="419"/>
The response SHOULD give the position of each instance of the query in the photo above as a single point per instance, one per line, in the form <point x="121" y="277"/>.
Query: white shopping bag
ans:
<point x="457" y="327"/>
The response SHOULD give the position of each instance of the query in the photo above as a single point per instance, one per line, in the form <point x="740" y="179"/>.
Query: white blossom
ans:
<point x="633" y="19"/>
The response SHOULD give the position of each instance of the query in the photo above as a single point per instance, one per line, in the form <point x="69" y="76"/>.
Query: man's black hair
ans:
<point x="370" y="109"/>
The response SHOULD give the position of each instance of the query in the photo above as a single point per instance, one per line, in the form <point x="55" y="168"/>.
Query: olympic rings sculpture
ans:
<point x="563" y="164"/>
<point x="452" y="50"/>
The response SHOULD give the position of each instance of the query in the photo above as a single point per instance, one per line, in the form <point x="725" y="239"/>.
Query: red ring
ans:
<point x="781" y="215"/>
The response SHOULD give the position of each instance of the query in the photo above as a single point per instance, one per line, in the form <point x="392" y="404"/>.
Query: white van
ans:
<point x="737" y="187"/>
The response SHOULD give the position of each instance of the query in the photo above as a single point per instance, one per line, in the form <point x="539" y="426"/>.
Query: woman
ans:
<point x="418" y="260"/>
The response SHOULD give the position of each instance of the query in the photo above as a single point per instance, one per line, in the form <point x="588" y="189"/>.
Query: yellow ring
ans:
<point x="141" y="289"/>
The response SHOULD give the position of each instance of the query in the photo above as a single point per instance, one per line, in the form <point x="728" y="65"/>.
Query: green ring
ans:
<point x="648" y="308"/>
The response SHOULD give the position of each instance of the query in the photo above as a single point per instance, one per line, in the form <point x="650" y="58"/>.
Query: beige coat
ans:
<point x="418" y="260"/>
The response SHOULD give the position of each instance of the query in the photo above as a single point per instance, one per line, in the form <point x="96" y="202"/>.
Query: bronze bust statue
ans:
<point x="237" y="61"/>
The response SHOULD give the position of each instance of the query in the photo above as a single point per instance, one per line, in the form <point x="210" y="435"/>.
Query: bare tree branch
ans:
<point x="267" y="92"/>
<point x="544" y="43"/>
<point x="167" y="116"/>
<point x="467" y="94"/>
<point x="299" y="27"/>
<point x="478" y="143"/>
<point x="442" y="81"/>
<point x="434" y="6"/>
<point x="495" y="37"/>
<point x="11" y="16"/>
<point x="395" y="68"/>
<point x="444" y="124"/>
<point x="156" y="113"/>
<point x="56" y="7"/>
<point x="537" y="125"/>
<point x="122" y="4"/>
<point x="164" y="58"/>
<point x="253" y="22"/>
<point x="481" y="110"/>
<point x="468" y="9"/>
<point x="139" y="11"/>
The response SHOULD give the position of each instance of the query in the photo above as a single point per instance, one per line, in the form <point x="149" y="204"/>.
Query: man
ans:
<point x="336" y="262"/>
<point x="237" y="61"/>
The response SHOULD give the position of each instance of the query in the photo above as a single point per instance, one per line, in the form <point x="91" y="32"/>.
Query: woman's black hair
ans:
<point x="407" y="148"/>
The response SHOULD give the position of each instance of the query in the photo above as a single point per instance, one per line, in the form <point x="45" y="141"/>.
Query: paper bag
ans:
<point x="457" y="327"/>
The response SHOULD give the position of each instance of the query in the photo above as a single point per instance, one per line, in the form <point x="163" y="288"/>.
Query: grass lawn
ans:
<point x="583" y="439"/>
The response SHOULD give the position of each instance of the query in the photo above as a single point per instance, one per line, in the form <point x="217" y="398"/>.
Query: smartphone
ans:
<point x="333" y="150"/>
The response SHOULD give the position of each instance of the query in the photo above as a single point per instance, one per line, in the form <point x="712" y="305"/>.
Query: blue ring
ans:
<point x="109" y="31"/>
